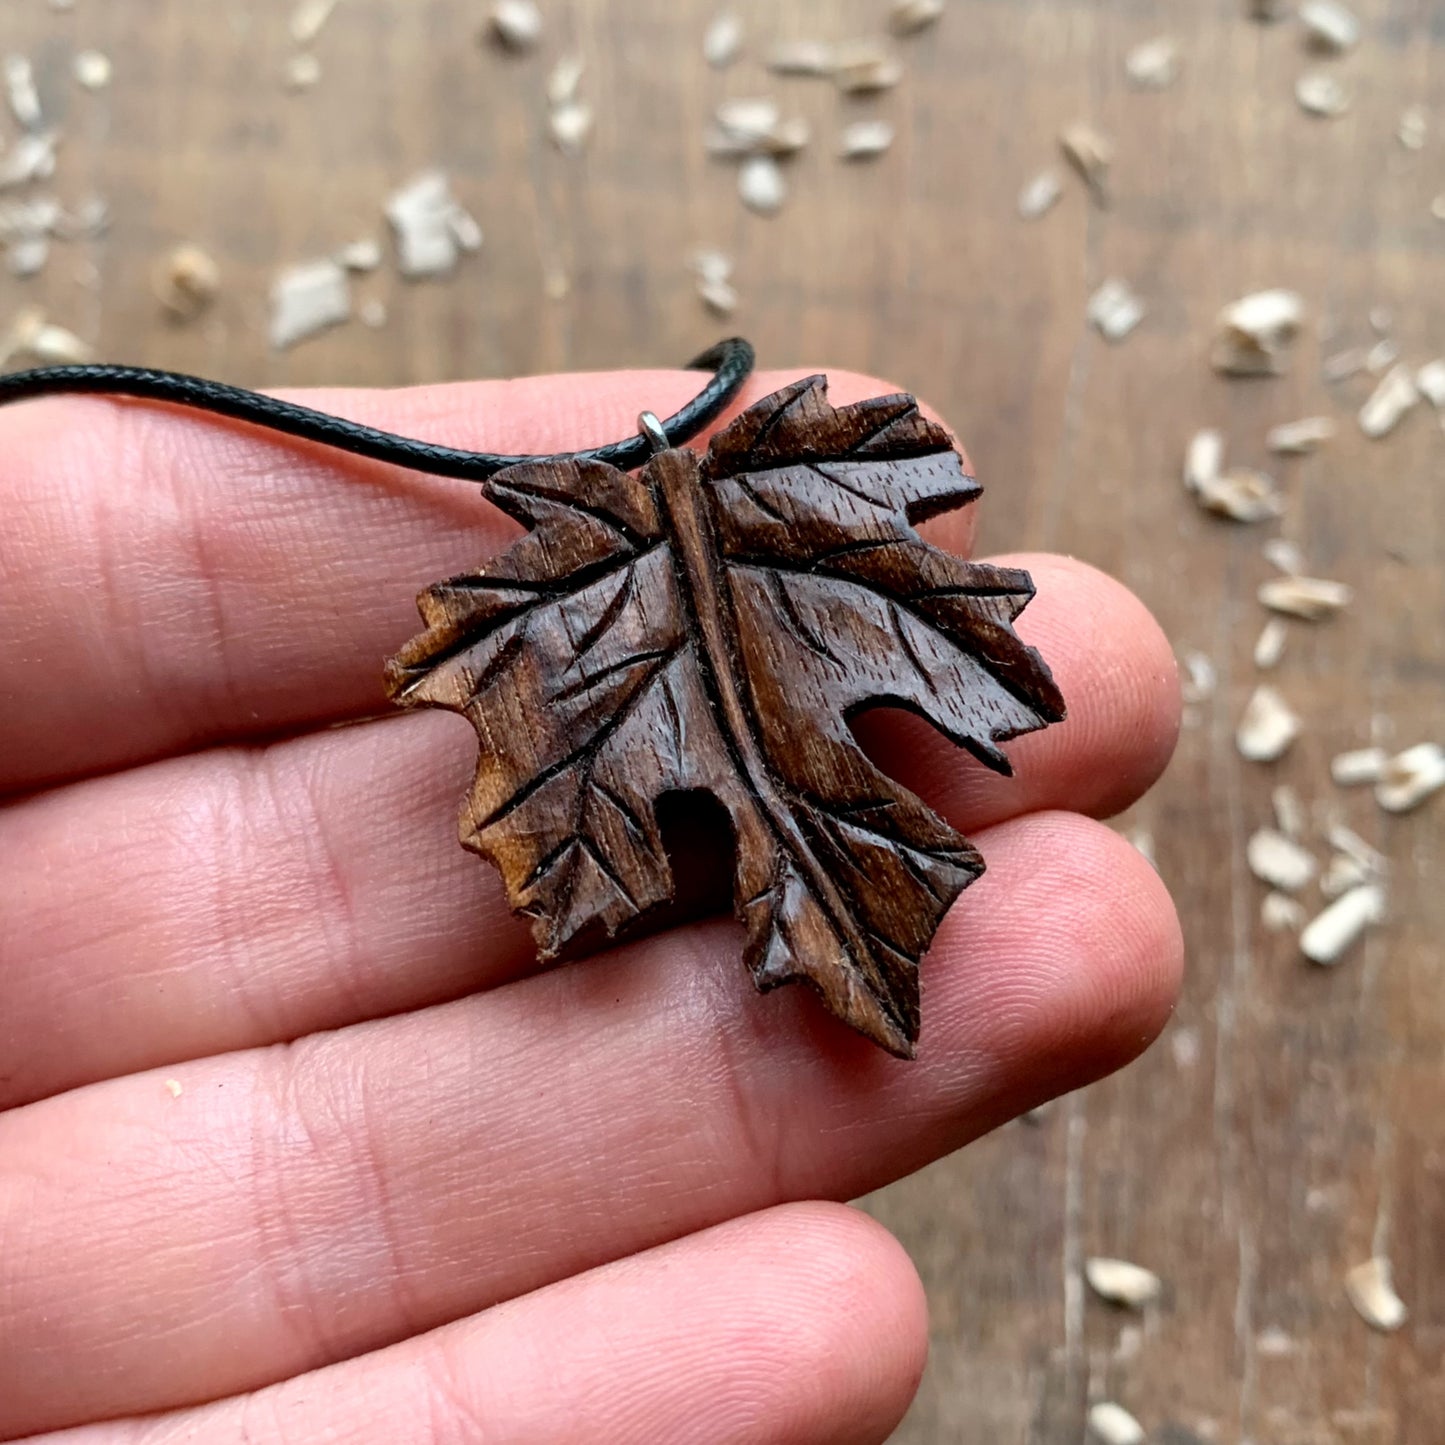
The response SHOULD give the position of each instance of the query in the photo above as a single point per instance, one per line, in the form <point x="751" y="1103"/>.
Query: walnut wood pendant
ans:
<point x="712" y="623"/>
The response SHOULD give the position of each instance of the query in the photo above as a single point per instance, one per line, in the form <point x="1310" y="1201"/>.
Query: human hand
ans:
<point x="293" y="1124"/>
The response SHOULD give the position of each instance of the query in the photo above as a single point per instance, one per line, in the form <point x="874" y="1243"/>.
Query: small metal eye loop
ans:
<point x="651" y="428"/>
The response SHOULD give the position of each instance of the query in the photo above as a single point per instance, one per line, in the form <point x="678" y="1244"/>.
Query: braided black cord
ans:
<point x="730" y="361"/>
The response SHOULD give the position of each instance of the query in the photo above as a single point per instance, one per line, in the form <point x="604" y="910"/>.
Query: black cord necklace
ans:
<point x="731" y="362"/>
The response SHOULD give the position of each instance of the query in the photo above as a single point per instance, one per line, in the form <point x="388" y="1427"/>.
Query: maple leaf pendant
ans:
<point x="712" y="624"/>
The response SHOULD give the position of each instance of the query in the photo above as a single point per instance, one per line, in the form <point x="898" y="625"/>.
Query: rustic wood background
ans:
<point x="1292" y="1120"/>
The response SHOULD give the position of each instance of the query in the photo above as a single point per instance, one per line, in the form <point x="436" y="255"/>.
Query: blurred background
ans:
<point x="1287" y="1129"/>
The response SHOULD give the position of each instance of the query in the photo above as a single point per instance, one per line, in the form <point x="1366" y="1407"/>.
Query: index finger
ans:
<point x="173" y="579"/>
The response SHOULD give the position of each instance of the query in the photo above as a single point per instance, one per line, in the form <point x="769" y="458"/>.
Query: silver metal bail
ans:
<point x="651" y="428"/>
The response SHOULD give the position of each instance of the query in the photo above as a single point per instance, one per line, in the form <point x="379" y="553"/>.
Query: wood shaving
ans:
<point x="1295" y="438"/>
<point x="1040" y="195"/>
<point x="431" y="227"/>
<point x="1122" y="1283"/>
<point x="1289" y="812"/>
<point x="1382" y="356"/>
<point x="754" y="126"/>
<point x="1280" y="861"/>
<point x="1282" y="914"/>
<point x="1204" y="460"/>
<point x="1414" y="127"/>
<point x="303" y="72"/>
<point x="1363" y="765"/>
<point x="362" y="255"/>
<point x="1329" y="26"/>
<point x="308" y="19"/>
<point x="1395" y="395"/>
<point x="515" y="24"/>
<point x="571" y="125"/>
<point x="564" y="79"/>
<point x="92" y="70"/>
<point x="1200" y="679"/>
<point x="307" y="299"/>
<point x="908" y="17"/>
<point x="1270" y="644"/>
<point x="1411" y="777"/>
<point x="714" y="281"/>
<point x="865" y="139"/>
<point x="1254" y="335"/>
<point x="1323" y="94"/>
<point x="722" y="42"/>
<point x="801" y="57"/>
<point x="31" y="335"/>
<point x="1285" y="556"/>
<point x="1112" y="1424"/>
<point x="1342" y="874"/>
<point x="1331" y="934"/>
<point x="1347" y="841"/>
<point x="1430" y="381"/>
<point x="1372" y="1292"/>
<point x="1312" y="598"/>
<point x="1242" y="495"/>
<point x="175" y="1088"/>
<point x="1344" y="364"/>
<point x="1091" y="154"/>
<point x="864" y="68"/>
<point x="20" y="91"/>
<point x="761" y="185"/>
<point x="1268" y="728"/>
<point x="186" y="281"/>
<point x="1154" y="65"/>
<point x="31" y="158"/>
<point x="1114" y="310"/>
<point x="27" y="255"/>
<point x="750" y="119"/>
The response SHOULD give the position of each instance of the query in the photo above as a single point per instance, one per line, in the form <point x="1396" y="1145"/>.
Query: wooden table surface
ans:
<point x="1291" y="1122"/>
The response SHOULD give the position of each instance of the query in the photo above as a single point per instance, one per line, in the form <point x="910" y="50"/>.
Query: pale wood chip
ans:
<point x="1295" y="438"/>
<point x="865" y="139"/>
<point x="363" y="255"/>
<point x="748" y="118"/>
<point x="1242" y="495"/>
<point x="1382" y="356"/>
<point x="303" y="71"/>
<point x="1345" y="840"/>
<point x="307" y="299"/>
<point x="1268" y="727"/>
<point x="31" y="335"/>
<point x="1329" y="26"/>
<point x="1371" y="1290"/>
<point x="1322" y="93"/>
<point x="801" y="57"/>
<point x="1254" y="335"/>
<point x="1341" y="874"/>
<point x="1391" y="400"/>
<point x="1430" y="380"/>
<point x="1344" y="364"/>
<point x="1282" y="914"/>
<point x="1414" y="127"/>
<point x="1312" y="598"/>
<point x="1289" y="811"/>
<point x="1437" y="207"/>
<point x="1091" y="154"/>
<point x="1039" y="195"/>
<point x="175" y="1088"/>
<point x="1154" y="65"/>
<point x="516" y="24"/>
<point x="1280" y="861"/>
<point x="1114" y="310"/>
<point x="186" y="281"/>
<point x="761" y="185"/>
<point x="1362" y="765"/>
<point x="1112" y="1424"/>
<point x="571" y="126"/>
<point x="427" y="221"/>
<point x="20" y="91"/>
<point x="722" y="42"/>
<point x="1204" y="460"/>
<point x="563" y="80"/>
<point x="1410" y="777"/>
<point x="308" y="18"/>
<point x="1122" y="1283"/>
<point x="720" y="297"/>
<point x="864" y="67"/>
<point x="27" y="255"/>
<point x="92" y="70"/>
<point x="1270" y="644"/>
<point x="31" y="158"/>
<point x="1285" y="556"/>
<point x="1330" y="935"/>
<point x="1199" y="678"/>
<point x="908" y="17"/>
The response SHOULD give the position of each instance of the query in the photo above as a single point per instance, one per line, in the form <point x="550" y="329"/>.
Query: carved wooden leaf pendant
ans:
<point x="713" y="623"/>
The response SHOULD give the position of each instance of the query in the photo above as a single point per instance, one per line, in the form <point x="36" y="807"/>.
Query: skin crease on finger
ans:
<point x="191" y="580"/>
<point x="241" y="897"/>
<point x="804" y="1325"/>
<point x="293" y="1207"/>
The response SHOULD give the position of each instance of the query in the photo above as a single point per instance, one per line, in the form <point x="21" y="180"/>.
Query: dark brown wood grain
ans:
<point x="711" y="626"/>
